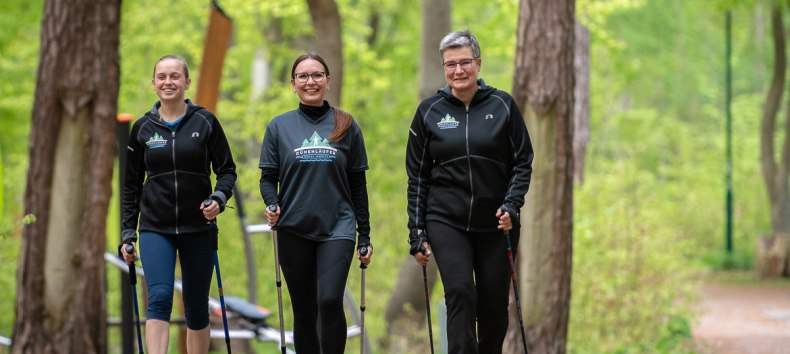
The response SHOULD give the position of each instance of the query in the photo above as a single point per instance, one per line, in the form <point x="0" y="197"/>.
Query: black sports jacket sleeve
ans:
<point x="418" y="168"/>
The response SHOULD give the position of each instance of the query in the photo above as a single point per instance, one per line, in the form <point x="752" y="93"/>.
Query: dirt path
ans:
<point x="744" y="319"/>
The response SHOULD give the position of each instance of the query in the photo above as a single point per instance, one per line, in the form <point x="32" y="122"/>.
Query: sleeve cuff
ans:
<point x="128" y="236"/>
<point x="221" y="198"/>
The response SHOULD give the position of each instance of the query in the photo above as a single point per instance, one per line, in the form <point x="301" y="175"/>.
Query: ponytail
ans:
<point x="343" y="121"/>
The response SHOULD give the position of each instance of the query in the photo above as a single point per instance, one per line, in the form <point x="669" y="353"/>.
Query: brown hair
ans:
<point x="343" y="119"/>
<point x="176" y="57"/>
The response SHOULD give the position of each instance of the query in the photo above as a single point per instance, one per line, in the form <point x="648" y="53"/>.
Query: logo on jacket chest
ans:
<point x="315" y="149"/>
<point x="156" y="141"/>
<point x="447" y="122"/>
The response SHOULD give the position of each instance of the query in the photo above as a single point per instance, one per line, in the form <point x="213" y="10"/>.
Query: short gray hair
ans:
<point x="460" y="39"/>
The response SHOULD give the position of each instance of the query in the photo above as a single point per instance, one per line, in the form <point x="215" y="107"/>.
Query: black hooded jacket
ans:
<point x="463" y="163"/>
<point x="168" y="172"/>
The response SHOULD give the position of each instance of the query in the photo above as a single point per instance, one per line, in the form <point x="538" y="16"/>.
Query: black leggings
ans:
<point x="316" y="274"/>
<point x="475" y="273"/>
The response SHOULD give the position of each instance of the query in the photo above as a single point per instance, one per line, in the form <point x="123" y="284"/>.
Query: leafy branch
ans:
<point x="26" y="220"/>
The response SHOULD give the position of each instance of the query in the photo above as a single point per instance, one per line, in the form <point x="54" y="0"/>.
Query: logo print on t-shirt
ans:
<point x="315" y="149"/>
<point x="156" y="141"/>
<point x="448" y="122"/>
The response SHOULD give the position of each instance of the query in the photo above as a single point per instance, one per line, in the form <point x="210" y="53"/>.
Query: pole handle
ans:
<point x="129" y="248"/>
<point x="363" y="251"/>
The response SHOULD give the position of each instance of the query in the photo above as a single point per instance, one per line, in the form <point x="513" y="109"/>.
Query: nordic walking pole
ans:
<point x="515" y="289"/>
<point x="213" y="225"/>
<point x="273" y="208"/>
<point x="133" y="281"/>
<point x="427" y="303"/>
<point x="362" y="252"/>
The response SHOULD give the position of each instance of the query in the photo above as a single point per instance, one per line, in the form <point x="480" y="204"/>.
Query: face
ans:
<point x="311" y="92"/>
<point x="462" y="75"/>
<point x="170" y="81"/>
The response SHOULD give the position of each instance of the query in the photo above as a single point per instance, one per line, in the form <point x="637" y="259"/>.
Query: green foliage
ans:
<point x="19" y="21"/>
<point x="650" y="215"/>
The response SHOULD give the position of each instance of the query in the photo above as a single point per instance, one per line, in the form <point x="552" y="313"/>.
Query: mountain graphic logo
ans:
<point x="315" y="140"/>
<point x="315" y="149"/>
<point x="156" y="141"/>
<point x="447" y="122"/>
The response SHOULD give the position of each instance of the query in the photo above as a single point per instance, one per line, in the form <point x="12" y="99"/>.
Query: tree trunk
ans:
<point x="544" y="86"/>
<point x="775" y="174"/>
<point x="409" y="292"/>
<point x="60" y="306"/>
<point x="581" y="105"/>
<point x="436" y="22"/>
<point x="329" y="44"/>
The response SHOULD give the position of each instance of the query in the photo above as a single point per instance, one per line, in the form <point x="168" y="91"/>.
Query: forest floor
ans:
<point x="740" y="315"/>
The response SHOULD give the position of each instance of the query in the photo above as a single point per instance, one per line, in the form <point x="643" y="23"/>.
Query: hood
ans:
<point x="482" y="93"/>
<point x="154" y="112"/>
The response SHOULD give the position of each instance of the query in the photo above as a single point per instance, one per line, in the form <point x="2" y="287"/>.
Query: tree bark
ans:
<point x="60" y="304"/>
<point x="329" y="44"/>
<point x="409" y="292"/>
<point x="581" y="105"/>
<point x="543" y="86"/>
<point x="776" y="174"/>
<point x="436" y="22"/>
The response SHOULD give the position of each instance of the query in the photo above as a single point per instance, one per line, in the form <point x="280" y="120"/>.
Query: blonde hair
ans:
<point x="176" y="57"/>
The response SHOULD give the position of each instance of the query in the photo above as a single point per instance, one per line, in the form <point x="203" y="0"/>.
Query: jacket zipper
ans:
<point x="175" y="176"/>
<point x="471" y="181"/>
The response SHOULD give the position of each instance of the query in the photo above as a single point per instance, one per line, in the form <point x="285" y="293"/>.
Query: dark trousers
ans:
<point x="316" y="274"/>
<point x="196" y="255"/>
<point x="475" y="273"/>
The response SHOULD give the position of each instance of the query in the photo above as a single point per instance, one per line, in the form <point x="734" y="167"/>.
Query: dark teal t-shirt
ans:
<point x="314" y="193"/>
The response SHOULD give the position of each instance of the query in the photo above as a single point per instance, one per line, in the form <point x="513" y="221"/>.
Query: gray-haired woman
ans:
<point x="469" y="162"/>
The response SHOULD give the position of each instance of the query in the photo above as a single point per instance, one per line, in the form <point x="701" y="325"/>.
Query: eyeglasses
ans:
<point x="317" y="76"/>
<point x="464" y="63"/>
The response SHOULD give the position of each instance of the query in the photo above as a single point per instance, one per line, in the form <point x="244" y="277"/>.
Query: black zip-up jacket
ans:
<point x="168" y="172"/>
<point x="464" y="162"/>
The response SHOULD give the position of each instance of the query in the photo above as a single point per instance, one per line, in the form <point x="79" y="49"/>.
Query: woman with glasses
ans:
<point x="469" y="163"/>
<point x="316" y="155"/>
